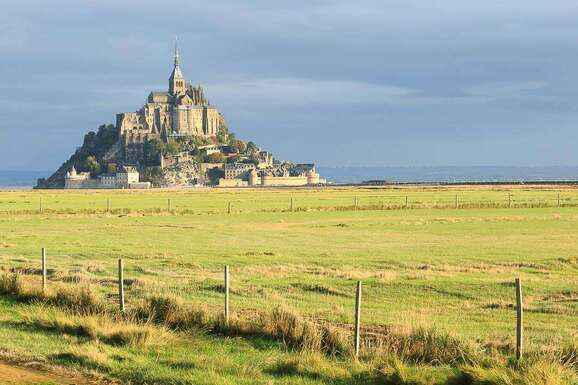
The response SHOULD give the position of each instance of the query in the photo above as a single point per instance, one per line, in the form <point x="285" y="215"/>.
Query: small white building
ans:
<point x="125" y="177"/>
<point x="75" y="179"/>
<point x="209" y="149"/>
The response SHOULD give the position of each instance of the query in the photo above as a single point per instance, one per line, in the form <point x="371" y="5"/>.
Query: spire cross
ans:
<point x="176" y="51"/>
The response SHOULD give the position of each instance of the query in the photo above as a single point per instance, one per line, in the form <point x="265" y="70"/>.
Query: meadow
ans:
<point x="427" y="262"/>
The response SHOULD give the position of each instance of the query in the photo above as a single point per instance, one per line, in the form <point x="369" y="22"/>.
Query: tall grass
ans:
<point x="81" y="300"/>
<point x="112" y="331"/>
<point x="398" y="352"/>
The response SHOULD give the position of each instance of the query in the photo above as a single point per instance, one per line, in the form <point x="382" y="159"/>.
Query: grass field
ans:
<point x="282" y="199"/>
<point x="428" y="267"/>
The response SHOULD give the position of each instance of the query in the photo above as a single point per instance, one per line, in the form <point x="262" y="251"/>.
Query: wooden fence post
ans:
<point x="357" y="318"/>
<point x="169" y="204"/>
<point x="291" y="204"/>
<point x="108" y="205"/>
<point x="229" y="208"/>
<point x="509" y="200"/>
<point x="40" y="209"/>
<point x="457" y="202"/>
<point x="406" y="203"/>
<point x="43" y="269"/>
<point x="226" y="294"/>
<point x="121" y="285"/>
<point x="519" y="319"/>
<point x="558" y="204"/>
<point x="355" y="203"/>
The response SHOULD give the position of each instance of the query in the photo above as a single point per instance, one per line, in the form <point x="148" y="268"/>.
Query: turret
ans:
<point x="177" y="82"/>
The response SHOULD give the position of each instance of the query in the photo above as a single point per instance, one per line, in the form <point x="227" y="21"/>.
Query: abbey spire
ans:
<point x="177" y="82"/>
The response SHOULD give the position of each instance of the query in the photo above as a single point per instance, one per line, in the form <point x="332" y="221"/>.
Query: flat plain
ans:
<point x="429" y="258"/>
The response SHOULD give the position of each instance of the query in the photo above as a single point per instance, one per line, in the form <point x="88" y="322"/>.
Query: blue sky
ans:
<point x="339" y="83"/>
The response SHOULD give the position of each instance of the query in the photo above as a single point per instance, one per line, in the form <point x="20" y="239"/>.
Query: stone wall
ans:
<point x="267" y="180"/>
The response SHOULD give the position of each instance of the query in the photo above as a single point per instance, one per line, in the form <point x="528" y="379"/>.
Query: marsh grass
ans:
<point x="91" y="355"/>
<point x="79" y="300"/>
<point x="437" y="297"/>
<point x="426" y="346"/>
<point x="395" y="355"/>
<point x="96" y="327"/>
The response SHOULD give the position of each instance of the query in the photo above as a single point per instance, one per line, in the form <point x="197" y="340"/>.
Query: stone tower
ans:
<point x="177" y="83"/>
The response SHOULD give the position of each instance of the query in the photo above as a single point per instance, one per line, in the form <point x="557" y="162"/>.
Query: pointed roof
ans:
<point x="177" y="73"/>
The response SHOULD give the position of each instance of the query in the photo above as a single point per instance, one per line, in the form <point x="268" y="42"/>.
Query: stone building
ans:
<point x="125" y="177"/>
<point x="307" y="177"/>
<point x="182" y="110"/>
<point x="75" y="179"/>
<point x="238" y="170"/>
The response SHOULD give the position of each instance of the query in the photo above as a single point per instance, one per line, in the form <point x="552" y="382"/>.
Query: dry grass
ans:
<point x="279" y="324"/>
<point x="82" y="300"/>
<point x="426" y="345"/>
<point x="399" y="351"/>
<point x="528" y="372"/>
<point x="96" y="327"/>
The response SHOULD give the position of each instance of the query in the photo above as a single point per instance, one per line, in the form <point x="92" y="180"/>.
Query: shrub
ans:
<point x="429" y="346"/>
<point x="10" y="284"/>
<point x="82" y="300"/>
<point x="169" y="311"/>
<point x="296" y="332"/>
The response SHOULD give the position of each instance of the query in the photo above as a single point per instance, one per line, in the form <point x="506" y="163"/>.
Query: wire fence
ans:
<point x="318" y="293"/>
<point x="231" y="203"/>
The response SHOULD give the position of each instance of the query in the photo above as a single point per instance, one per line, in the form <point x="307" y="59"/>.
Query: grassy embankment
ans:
<point x="442" y="271"/>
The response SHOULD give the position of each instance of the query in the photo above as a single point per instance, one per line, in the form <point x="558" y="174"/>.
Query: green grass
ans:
<point x="437" y="268"/>
<point x="250" y="200"/>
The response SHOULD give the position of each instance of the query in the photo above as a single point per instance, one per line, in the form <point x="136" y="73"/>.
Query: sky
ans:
<point x="338" y="83"/>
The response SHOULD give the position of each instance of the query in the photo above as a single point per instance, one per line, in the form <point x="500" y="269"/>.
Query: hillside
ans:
<point x="102" y="150"/>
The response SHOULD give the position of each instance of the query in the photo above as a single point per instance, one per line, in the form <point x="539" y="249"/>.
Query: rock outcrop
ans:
<point x="182" y="174"/>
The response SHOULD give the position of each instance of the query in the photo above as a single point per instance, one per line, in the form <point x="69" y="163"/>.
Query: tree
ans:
<point x="214" y="174"/>
<point x="241" y="146"/>
<point x="215" y="157"/>
<point x="222" y="133"/>
<point x="173" y="147"/>
<point x="92" y="165"/>
<point x="153" y="150"/>
<point x="254" y="158"/>
<point x="237" y="146"/>
<point x="153" y="175"/>
<point x="252" y="147"/>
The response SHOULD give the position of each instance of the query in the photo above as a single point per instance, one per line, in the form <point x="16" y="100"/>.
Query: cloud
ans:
<point x="307" y="91"/>
<point x="507" y="90"/>
<point x="427" y="81"/>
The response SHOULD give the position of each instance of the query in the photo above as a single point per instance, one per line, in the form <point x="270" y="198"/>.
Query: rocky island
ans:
<point x="178" y="138"/>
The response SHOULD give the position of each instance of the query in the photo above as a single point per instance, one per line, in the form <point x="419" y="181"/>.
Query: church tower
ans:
<point x="177" y="83"/>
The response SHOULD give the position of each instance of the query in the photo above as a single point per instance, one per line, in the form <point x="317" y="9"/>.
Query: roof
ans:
<point x="238" y="165"/>
<point x="127" y="169"/>
<point x="176" y="74"/>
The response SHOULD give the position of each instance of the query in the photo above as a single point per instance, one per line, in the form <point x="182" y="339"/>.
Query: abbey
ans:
<point x="180" y="111"/>
<point x="176" y="139"/>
